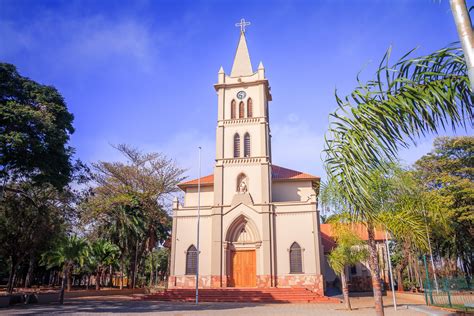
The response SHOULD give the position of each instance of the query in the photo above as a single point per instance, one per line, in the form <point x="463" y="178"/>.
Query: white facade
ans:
<point x="254" y="215"/>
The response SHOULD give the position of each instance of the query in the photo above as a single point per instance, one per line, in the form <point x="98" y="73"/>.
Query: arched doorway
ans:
<point x="242" y="242"/>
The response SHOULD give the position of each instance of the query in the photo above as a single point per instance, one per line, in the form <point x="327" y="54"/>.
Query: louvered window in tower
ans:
<point x="236" y="146"/>
<point x="249" y="107"/>
<point x="247" y="145"/>
<point x="241" y="110"/>
<point x="191" y="260"/>
<point x="296" y="264"/>
<point x="233" y="106"/>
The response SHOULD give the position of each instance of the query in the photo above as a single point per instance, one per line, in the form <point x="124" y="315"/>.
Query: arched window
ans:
<point x="236" y="146"/>
<point x="249" y="108"/>
<point x="191" y="260"/>
<point x="241" y="109"/>
<point x="296" y="264"/>
<point x="233" y="106"/>
<point x="247" y="145"/>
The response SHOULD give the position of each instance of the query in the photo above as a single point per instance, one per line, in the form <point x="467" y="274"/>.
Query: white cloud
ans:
<point x="100" y="39"/>
<point x="80" y="42"/>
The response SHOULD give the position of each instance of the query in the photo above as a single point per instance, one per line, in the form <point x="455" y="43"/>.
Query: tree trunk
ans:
<point x="121" y="273"/>
<point x="29" y="274"/>
<point x="466" y="272"/>
<point x="10" y="277"/>
<point x="97" y="280"/>
<point x="417" y="274"/>
<point x="410" y="270"/>
<point x="63" y="284"/>
<point x="375" y="271"/>
<point x="111" y="271"/>
<point x="464" y="27"/>
<point x="345" y="290"/>
<point x="69" y="279"/>
<point x="402" y="265"/>
<point x="399" y="280"/>
<point x="131" y="282"/>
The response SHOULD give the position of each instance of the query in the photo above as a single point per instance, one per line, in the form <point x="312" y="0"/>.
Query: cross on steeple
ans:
<point x="242" y="24"/>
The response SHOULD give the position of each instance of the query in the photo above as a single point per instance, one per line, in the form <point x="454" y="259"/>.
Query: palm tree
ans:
<point x="126" y="226"/>
<point x="411" y="98"/>
<point x="395" y="206"/>
<point x="70" y="252"/>
<point x="102" y="254"/>
<point x="349" y="251"/>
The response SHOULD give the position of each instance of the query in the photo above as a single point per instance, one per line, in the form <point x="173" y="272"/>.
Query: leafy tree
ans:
<point x="35" y="169"/>
<point x="449" y="172"/>
<point x="157" y="264"/>
<point x="350" y="250"/>
<point x="101" y="255"/>
<point x="31" y="218"/>
<point x="411" y="98"/>
<point x="69" y="253"/>
<point x="35" y="127"/>
<point x="388" y="212"/>
<point x="127" y="203"/>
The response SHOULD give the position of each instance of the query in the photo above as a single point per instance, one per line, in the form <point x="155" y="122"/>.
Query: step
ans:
<point x="269" y="295"/>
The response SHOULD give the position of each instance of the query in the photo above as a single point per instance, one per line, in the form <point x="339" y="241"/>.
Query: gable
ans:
<point x="278" y="174"/>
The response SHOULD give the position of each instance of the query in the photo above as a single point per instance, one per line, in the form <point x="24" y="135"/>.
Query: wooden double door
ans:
<point x="243" y="268"/>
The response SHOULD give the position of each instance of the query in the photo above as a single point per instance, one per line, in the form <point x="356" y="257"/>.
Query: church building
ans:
<point x="259" y="222"/>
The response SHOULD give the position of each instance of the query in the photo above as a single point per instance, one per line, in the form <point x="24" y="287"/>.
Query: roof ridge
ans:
<point x="278" y="173"/>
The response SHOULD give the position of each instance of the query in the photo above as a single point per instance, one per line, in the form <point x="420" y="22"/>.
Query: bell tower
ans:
<point x="243" y="149"/>
<point x="242" y="171"/>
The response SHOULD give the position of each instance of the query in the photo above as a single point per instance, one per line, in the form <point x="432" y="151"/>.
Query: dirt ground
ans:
<point x="132" y="305"/>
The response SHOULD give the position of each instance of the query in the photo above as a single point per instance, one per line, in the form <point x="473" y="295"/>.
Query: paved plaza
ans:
<point x="127" y="305"/>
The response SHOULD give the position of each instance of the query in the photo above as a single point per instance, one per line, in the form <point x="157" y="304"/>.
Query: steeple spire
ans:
<point x="242" y="65"/>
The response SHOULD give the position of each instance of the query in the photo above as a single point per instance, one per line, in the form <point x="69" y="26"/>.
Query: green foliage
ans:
<point x="448" y="172"/>
<point x="157" y="263"/>
<point x="35" y="126"/>
<point x="69" y="252"/>
<point x="127" y="202"/>
<point x="350" y="249"/>
<point x="32" y="218"/>
<point x="102" y="254"/>
<point x="396" y="204"/>
<point x="413" y="97"/>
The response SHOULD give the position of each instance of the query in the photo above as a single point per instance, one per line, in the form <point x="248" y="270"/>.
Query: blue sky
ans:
<point x="142" y="72"/>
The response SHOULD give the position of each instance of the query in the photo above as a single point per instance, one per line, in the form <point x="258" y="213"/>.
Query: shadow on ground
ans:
<point x="130" y="307"/>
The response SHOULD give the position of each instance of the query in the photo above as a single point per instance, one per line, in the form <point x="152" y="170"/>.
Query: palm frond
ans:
<point x="409" y="99"/>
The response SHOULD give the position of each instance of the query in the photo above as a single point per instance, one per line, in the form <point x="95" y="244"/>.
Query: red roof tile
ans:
<point x="206" y="180"/>
<point x="328" y="242"/>
<point x="278" y="174"/>
<point x="358" y="228"/>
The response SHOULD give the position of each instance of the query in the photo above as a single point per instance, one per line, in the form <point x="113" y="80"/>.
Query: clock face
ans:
<point x="241" y="95"/>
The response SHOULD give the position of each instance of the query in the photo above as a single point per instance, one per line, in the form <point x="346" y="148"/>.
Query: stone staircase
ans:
<point x="242" y="295"/>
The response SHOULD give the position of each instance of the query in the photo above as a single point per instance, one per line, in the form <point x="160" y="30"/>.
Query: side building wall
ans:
<point x="184" y="235"/>
<point x="297" y="222"/>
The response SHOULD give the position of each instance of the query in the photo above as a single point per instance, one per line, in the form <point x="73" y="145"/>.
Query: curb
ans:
<point x="429" y="311"/>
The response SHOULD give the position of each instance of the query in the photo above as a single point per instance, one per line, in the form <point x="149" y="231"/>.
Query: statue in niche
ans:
<point x="242" y="186"/>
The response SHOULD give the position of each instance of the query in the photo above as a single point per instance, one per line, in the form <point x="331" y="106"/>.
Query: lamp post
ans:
<point x="391" y="271"/>
<point x="198" y="220"/>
